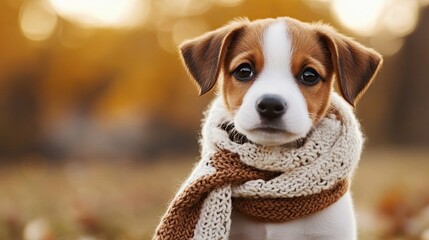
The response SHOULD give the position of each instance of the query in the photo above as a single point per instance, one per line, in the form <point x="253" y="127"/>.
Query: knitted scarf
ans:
<point x="271" y="184"/>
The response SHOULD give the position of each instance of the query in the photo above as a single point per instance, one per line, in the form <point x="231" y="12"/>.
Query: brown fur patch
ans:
<point x="307" y="51"/>
<point x="204" y="55"/>
<point x="245" y="48"/>
<point x="355" y="65"/>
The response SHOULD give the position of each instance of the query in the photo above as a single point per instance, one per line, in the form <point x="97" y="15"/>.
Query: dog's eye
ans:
<point x="309" y="76"/>
<point x="244" y="72"/>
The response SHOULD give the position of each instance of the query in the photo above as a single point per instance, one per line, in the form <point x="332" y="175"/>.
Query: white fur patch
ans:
<point x="333" y="223"/>
<point x="275" y="78"/>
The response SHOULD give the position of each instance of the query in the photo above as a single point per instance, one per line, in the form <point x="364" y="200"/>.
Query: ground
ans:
<point x="124" y="200"/>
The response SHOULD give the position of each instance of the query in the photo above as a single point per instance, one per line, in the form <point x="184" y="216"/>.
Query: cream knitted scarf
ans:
<point x="272" y="184"/>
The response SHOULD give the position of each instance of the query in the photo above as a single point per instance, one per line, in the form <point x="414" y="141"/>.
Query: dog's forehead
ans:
<point x="258" y="28"/>
<point x="251" y="38"/>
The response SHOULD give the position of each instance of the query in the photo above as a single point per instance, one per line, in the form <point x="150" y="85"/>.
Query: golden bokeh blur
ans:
<point x="359" y="16"/>
<point x="366" y="18"/>
<point x="389" y="20"/>
<point x="99" y="121"/>
<point x="37" y="20"/>
<point x="102" y="13"/>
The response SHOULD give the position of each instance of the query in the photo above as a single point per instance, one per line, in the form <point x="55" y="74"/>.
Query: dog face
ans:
<point x="276" y="75"/>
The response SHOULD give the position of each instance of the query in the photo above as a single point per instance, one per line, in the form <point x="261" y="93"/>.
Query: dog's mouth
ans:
<point x="240" y="138"/>
<point x="269" y="129"/>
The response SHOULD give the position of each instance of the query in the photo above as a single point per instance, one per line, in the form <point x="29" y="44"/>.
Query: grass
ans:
<point x="123" y="200"/>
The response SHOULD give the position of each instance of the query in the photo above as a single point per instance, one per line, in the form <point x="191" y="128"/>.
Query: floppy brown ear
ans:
<point x="355" y="64"/>
<point x="203" y="56"/>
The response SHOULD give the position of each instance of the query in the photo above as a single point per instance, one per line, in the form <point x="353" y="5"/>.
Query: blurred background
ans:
<point x="99" y="121"/>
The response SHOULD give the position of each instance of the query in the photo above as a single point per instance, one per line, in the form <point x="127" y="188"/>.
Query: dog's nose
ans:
<point x="271" y="106"/>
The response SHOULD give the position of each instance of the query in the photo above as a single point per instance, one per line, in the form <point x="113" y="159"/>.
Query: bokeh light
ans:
<point x="37" y="20"/>
<point x="378" y="20"/>
<point x="401" y="17"/>
<point x="103" y="13"/>
<point x="360" y="16"/>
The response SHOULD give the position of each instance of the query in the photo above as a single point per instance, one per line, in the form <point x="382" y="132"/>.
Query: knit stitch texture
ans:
<point x="271" y="184"/>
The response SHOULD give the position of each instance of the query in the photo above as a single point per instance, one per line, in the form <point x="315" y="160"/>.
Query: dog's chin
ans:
<point x="272" y="137"/>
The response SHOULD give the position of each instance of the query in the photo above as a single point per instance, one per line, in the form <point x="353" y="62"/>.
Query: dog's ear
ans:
<point x="203" y="56"/>
<point x="355" y="65"/>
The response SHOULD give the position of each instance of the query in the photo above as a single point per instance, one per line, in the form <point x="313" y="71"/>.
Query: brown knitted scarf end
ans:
<point x="182" y="216"/>
<point x="286" y="209"/>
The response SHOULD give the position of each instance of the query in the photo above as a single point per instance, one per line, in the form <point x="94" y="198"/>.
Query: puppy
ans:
<point x="275" y="78"/>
